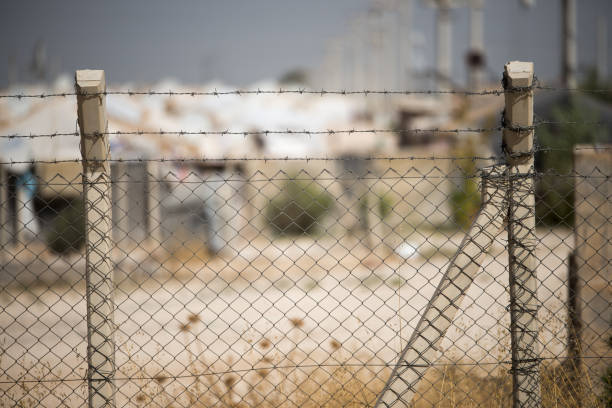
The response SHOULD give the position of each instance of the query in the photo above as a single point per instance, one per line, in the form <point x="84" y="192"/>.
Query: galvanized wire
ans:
<point x="291" y="281"/>
<point x="301" y="91"/>
<point x="262" y="311"/>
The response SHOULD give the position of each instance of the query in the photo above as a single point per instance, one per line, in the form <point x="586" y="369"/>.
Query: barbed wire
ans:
<point x="581" y="90"/>
<point x="300" y="158"/>
<point x="246" y="158"/>
<point x="305" y="132"/>
<point x="244" y="92"/>
<point x="259" y="132"/>
<point x="303" y="91"/>
<point x="260" y="177"/>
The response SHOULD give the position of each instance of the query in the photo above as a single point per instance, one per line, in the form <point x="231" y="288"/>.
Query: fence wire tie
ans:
<point x="531" y="309"/>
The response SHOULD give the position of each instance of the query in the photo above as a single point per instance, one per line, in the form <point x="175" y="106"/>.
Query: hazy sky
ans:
<point x="241" y="41"/>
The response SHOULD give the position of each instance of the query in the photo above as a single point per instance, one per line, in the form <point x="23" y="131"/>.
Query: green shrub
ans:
<point x="67" y="230"/>
<point x="554" y="185"/>
<point x="385" y="206"/>
<point x="465" y="198"/>
<point x="299" y="208"/>
<point x="465" y="202"/>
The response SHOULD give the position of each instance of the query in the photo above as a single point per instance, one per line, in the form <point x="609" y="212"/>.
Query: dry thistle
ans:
<point x="262" y="373"/>
<point x="297" y="322"/>
<point x="194" y="318"/>
<point x="140" y="398"/>
<point x="229" y="382"/>
<point x="265" y="343"/>
<point x="161" y="378"/>
<point x="335" y="344"/>
<point x="185" y="327"/>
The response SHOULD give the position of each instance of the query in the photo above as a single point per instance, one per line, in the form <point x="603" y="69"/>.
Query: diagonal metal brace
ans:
<point x="422" y="348"/>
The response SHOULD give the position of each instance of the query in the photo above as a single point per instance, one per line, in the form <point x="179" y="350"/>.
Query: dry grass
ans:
<point x="279" y="380"/>
<point x="450" y="386"/>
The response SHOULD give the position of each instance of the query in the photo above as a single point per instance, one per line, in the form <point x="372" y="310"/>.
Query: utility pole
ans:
<point x="12" y="70"/>
<point x="475" y="58"/>
<point x="404" y="41"/>
<point x="359" y="53"/>
<point x="375" y="44"/>
<point x="569" y="43"/>
<point x="602" y="49"/>
<point x="443" y="46"/>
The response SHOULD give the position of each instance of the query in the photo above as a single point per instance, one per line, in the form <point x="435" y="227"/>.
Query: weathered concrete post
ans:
<point x="518" y="147"/>
<point x="95" y="150"/>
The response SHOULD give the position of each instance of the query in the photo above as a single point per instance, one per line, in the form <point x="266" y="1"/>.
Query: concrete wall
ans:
<point x="593" y="254"/>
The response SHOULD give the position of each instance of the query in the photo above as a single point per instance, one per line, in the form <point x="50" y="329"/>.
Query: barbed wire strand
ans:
<point x="245" y="92"/>
<point x="297" y="158"/>
<point x="303" y="91"/>
<point x="305" y="132"/>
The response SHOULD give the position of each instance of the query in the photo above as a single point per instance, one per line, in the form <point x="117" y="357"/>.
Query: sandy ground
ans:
<point x="270" y="303"/>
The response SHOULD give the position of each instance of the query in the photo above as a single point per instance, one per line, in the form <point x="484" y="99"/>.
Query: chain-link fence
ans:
<point x="345" y="281"/>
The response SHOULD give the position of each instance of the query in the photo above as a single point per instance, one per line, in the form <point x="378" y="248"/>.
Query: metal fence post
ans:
<point x="574" y="328"/>
<point x="518" y="147"/>
<point x="95" y="150"/>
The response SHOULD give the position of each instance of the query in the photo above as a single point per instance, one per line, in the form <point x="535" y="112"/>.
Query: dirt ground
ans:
<point x="285" y="303"/>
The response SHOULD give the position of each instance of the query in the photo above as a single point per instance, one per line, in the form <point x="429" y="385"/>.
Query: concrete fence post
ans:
<point x="518" y="147"/>
<point x="95" y="151"/>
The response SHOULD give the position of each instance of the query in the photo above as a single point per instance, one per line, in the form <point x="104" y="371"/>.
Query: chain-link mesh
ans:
<point x="287" y="283"/>
<point x="524" y="304"/>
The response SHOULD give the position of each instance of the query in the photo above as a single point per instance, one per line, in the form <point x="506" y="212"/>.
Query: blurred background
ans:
<point x="336" y="44"/>
<point x="356" y="45"/>
<point x="247" y="199"/>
